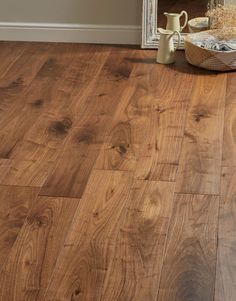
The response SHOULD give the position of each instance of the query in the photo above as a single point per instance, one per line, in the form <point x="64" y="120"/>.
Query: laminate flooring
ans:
<point x="117" y="176"/>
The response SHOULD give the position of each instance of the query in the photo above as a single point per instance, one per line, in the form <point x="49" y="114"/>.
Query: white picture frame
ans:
<point x="150" y="35"/>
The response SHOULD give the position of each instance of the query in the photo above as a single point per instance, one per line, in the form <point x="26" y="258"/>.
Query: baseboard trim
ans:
<point x="75" y="33"/>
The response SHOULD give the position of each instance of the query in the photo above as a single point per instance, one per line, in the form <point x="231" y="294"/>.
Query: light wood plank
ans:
<point x="29" y="267"/>
<point x="190" y="260"/>
<point x="200" y="162"/>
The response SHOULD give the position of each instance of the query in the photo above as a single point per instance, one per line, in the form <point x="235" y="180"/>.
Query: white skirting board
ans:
<point x="75" y="33"/>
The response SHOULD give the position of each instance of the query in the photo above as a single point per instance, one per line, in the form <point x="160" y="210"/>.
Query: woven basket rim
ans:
<point x="188" y="39"/>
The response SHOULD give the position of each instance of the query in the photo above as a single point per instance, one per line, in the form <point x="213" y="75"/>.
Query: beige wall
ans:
<point x="117" y="12"/>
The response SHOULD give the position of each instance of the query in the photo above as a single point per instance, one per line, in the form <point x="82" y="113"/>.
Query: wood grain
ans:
<point x="200" y="163"/>
<point x="9" y="53"/>
<point x="34" y="100"/>
<point x="226" y="268"/>
<point x="45" y="119"/>
<point x="131" y="161"/>
<point x="190" y="259"/>
<point x="15" y="204"/>
<point x="149" y="118"/>
<point x="229" y="145"/>
<point x="95" y="113"/>
<point x="90" y="245"/>
<point x="29" y="267"/>
<point x="29" y="173"/>
<point x="22" y="66"/>
<point x="136" y="268"/>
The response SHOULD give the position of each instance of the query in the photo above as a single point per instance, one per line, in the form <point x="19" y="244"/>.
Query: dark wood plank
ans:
<point x="200" y="162"/>
<point x="225" y="288"/>
<point x="29" y="267"/>
<point x="15" y="204"/>
<point x="94" y="115"/>
<point x="190" y="259"/>
<point x="90" y="245"/>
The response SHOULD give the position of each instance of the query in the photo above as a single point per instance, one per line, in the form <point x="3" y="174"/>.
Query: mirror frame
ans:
<point x="150" y="36"/>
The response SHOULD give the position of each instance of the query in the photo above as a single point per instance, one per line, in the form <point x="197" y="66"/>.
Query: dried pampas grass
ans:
<point x="225" y="34"/>
<point x="223" y="18"/>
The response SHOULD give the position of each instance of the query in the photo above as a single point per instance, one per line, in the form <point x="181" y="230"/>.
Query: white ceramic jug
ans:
<point x="166" y="50"/>
<point x="173" y="21"/>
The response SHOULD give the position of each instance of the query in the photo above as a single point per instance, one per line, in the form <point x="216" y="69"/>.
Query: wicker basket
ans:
<point x="208" y="59"/>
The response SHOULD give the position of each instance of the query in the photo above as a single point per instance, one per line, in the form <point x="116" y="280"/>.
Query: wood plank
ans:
<point x="15" y="204"/>
<point x="36" y="133"/>
<point x="29" y="267"/>
<point x="226" y="268"/>
<point x="15" y="78"/>
<point x="200" y="161"/>
<point x="190" y="259"/>
<point x="26" y="66"/>
<point x="20" y="73"/>
<point x="229" y="145"/>
<point x="125" y="260"/>
<point x="105" y="126"/>
<point x="9" y="53"/>
<point x="29" y="173"/>
<point x="90" y="245"/>
<point x="46" y="136"/>
<point x="94" y="115"/>
<point x="34" y="101"/>
<point x="136" y="268"/>
<point x="149" y="118"/>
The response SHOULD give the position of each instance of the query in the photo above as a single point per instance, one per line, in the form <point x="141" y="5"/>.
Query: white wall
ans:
<point x="95" y="21"/>
<point x="116" y="12"/>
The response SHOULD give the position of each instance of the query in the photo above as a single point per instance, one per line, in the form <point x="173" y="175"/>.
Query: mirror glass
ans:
<point x="194" y="9"/>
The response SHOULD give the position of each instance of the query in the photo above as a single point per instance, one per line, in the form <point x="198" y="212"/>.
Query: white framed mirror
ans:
<point x="153" y="16"/>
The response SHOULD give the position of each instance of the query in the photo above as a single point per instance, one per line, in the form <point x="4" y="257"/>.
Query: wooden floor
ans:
<point x="117" y="176"/>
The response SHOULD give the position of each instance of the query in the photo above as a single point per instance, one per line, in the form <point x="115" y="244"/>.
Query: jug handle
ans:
<point x="184" y="13"/>
<point x="179" y="39"/>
